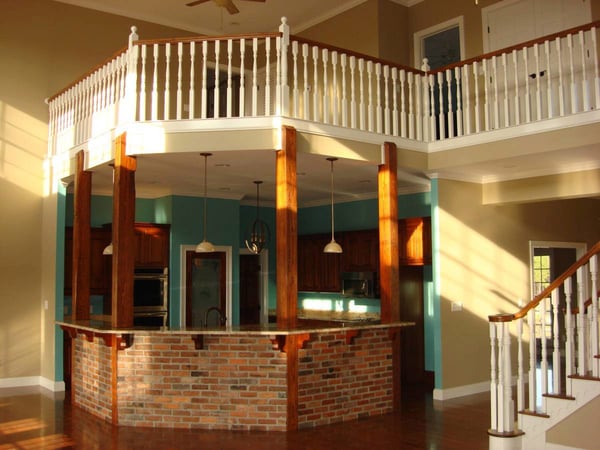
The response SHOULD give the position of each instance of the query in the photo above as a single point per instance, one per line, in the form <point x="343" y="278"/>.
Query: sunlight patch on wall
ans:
<point x="23" y="145"/>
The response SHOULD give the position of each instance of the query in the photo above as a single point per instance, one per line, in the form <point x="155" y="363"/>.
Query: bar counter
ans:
<point x="268" y="378"/>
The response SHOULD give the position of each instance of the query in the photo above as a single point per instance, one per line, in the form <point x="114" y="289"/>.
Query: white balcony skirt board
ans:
<point x="51" y="385"/>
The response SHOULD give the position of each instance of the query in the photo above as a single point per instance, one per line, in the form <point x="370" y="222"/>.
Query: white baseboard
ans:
<point x="461" y="391"/>
<point x="51" y="385"/>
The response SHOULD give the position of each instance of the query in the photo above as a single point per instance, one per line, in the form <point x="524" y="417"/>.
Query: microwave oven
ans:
<point x="360" y="284"/>
<point x="150" y="296"/>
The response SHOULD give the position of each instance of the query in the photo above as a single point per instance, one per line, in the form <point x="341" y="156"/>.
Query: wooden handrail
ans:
<point x="189" y="39"/>
<point x="546" y="292"/>
<point x="355" y="54"/>
<point x="519" y="46"/>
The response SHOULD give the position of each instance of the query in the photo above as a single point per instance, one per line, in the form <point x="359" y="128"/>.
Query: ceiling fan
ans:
<point x="227" y="4"/>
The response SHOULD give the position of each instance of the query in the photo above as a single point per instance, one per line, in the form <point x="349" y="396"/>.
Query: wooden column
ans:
<point x="123" y="258"/>
<point x="389" y="257"/>
<point x="287" y="230"/>
<point x="81" y="241"/>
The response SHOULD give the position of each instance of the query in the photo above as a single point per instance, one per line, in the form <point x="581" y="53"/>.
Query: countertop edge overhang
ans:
<point x="100" y="326"/>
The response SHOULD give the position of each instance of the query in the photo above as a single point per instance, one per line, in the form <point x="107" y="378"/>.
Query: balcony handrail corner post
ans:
<point x="131" y="80"/>
<point x="284" y="29"/>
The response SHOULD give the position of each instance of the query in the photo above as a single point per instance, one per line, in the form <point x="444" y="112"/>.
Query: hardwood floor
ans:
<point x="32" y="418"/>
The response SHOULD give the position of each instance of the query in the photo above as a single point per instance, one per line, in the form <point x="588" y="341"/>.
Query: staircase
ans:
<point x="557" y="362"/>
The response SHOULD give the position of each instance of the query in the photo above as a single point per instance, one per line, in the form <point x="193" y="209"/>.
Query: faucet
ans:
<point x="221" y="319"/>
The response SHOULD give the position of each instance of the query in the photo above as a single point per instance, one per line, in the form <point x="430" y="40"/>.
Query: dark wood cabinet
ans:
<point x="317" y="271"/>
<point x="99" y="263"/>
<point x="151" y="245"/>
<point x="361" y="251"/>
<point x="414" y="241"/>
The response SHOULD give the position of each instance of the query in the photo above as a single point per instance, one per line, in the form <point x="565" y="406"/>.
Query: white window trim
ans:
<point x="422" y="34"/>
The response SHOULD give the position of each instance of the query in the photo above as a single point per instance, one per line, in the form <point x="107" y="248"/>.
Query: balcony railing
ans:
<point x="275" y="74"/>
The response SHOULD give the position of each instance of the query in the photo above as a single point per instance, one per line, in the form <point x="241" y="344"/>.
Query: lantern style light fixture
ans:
<point x="205" y="246"/>
<point x="332" y="247"/>
<point x="259" y="232"/>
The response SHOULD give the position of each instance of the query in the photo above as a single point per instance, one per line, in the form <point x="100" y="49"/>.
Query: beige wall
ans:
<point x="483" y="262"/>
<point x="45" y="45"/>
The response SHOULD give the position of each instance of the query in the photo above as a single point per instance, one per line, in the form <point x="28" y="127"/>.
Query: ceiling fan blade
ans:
<point x="230" y="7"/>
<point x="197" y="2"/>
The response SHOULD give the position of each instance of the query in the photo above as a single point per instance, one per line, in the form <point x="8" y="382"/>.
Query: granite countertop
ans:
<point x="102" y="324"/>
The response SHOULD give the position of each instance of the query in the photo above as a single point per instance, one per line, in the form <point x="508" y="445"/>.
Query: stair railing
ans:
<point x="545" y="376"/>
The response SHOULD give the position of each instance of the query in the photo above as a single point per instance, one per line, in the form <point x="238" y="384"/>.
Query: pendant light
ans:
<point x="332" y="247"/>
<point x="259" y="232"/>
<point x="205" y="246"/>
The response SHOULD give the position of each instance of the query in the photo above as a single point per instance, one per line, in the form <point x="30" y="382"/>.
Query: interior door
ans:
<point x="249" y="289"/>
<point x="205" y="287"/>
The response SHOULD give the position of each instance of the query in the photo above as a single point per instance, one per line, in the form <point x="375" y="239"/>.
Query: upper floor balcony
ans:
<point x="164" y="92"/>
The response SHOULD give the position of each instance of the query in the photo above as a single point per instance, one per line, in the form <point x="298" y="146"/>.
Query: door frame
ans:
<point x="263" y="260"/>
<point x="183" y="249"/>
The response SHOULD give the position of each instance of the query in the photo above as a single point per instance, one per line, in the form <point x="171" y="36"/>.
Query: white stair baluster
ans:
<point x="441" y="115"/>
<point x="278" y="67"/>
<point x="179" y="80"/>
<point x="517" y="100"/>
<point x="556" y="353"/>
<point x="570" y="334"/>
<point x="581" y="325"/>
<point x="432" y="103"/>
<point x="459" y="101"/>
<point x="574" y="98"/>
<point x="411" y="114"/>
<point x="594" y="315"/>
<point x="395" y="101"/>
<point x="505" y="104"/>
<point x="548" y="77"/>
<point x="493" y="378"/>
<point x="254" y="77"/>
<point x="527" y="93"/>
<point x="450" y="106"/>
<point x="509" y="418"/>
<point x="585" y="89"/>
<point x="402" y="103"/>
<point x="352" y="92"/>
<point x="477" y="111"/>
<point x="142" y="115"/>
<point x="229" y="79"/>
<point x="217" y="88"/>
<point x="532" y="360"/>
<point x="192" y="93"/>
<point x="386" y="108"/>
<point x="167" y="93"/>
<point x="343" y="60"/>
<point x="544" y="361"/>
<point x="496" y="102"/>
<point x="296" y="92"/>
<point x="336" y="95"/>
<point x="561" y="86"/>
<point x="325" y="58"/>
<point x="467" y="100"/>
<point x="378" y="108"/>
<point x="520" y="367"/>
<point x="361" y="104"/>
<point x="306" y="105"/>
<point x="538" y="78"/>
<point x="370" y="112"/>
<point x="204" y="97"/>
<point x="418" y="113"/>
<point x="268" y="76"/>
<point x="315" y="55"/>
<point x="242" y="101"/>
<point x="596" y="73"/>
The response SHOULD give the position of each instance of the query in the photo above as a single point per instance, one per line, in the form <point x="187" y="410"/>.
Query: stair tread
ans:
<point x="560" y="396"/>
<point x="528" y="412"/>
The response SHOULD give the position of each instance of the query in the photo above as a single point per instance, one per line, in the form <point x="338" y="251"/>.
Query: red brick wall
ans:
<point x="91" y="377"/>
<point x="235" y="382"/>
<point x="339" y="382"/>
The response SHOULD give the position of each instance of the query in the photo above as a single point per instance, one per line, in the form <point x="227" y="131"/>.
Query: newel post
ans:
<point x="284" y="104"/>
<point x="131" y="81"/>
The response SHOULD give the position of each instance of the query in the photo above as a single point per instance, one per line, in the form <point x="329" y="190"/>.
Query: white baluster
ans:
<point x="395" y="101"/>
<point x="548" y="76"/>
<point x="544" y="361"/>
<point x="493" y="378"/>
<point x="569" y="328"/>
<point x="527" y="93"/>
<point x="509" y="419"/>
<point x="131" y="84"/>
<point x="204" y="101"/>
<point x="306" y="85"/>
<point x="418" y="113"/>
<point x="561" y="86"/>
<point x="402" y="103"/>
<point x="192" y="93"/>
<point x="315" y="55"/>
<point x="538" y="77"/>
<point x="284" y="89"/>
<point x="450" y="113"/>
<point x="178" y="113"/>
<point x="361" y="105"/>
<point x="229" y="78"/>
<point x="596" y="72"/>
<point x="242" y="102"/>
<point x="278" y="106"/>
<point x="532" y="360"/>
<point x="386" y="110"/>
<point x="426" y="108"/>
<point x="520" y="367"/>
<point x="506" y="109"/>
<point x="411" y="115"/>
<point x="217" y="88"/>
<point x="296" y="92"/>
<point x="556" y="353"/>
<point x="343" y="61"/>
<point x="500" y="390"/>
<point x="594" y="315"/>
<point x="167" y="94"/>
<point x="459" y="113"/>
<point x="432" y="100"/>
<point x="495" y="103"/>
<point x="334" y="61"/>
<point x="352" y="92"/>
<point x="325" y="58"/>
<point x="574" y="102"/>
<point x="585" y="89"/>
<point x="254" y="77"/>
<point x="378" y="109"/>
<point x="142" y="100"/>
<point x="370" y="107"/>
<point x="268" y="77"/>
<point x="154" y="94"/>
<point x="581" y="329"/>
<point x="441" y="115"/>
<point x="476" y="93"/>
<point x="517" y="101"/>
<point x="467" y="101"/>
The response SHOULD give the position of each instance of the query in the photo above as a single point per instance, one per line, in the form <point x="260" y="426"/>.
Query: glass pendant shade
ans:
<point x="205" y="246"/>
<point x="332" y="247"/>
<point x="108" y="250"/>
<point x="259" y="232"/>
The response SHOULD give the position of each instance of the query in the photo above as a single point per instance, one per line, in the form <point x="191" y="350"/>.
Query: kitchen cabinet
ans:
<point x="414" y="241"/>
<point x="151" y="245"/>
<point x="361" y="251"/>
<point x="99" y="263"/>
<point x="317" y="271"/>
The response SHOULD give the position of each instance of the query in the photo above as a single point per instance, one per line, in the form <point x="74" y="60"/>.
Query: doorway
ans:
<point x="254" y="301"/>
<point x="206" y="283"/>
